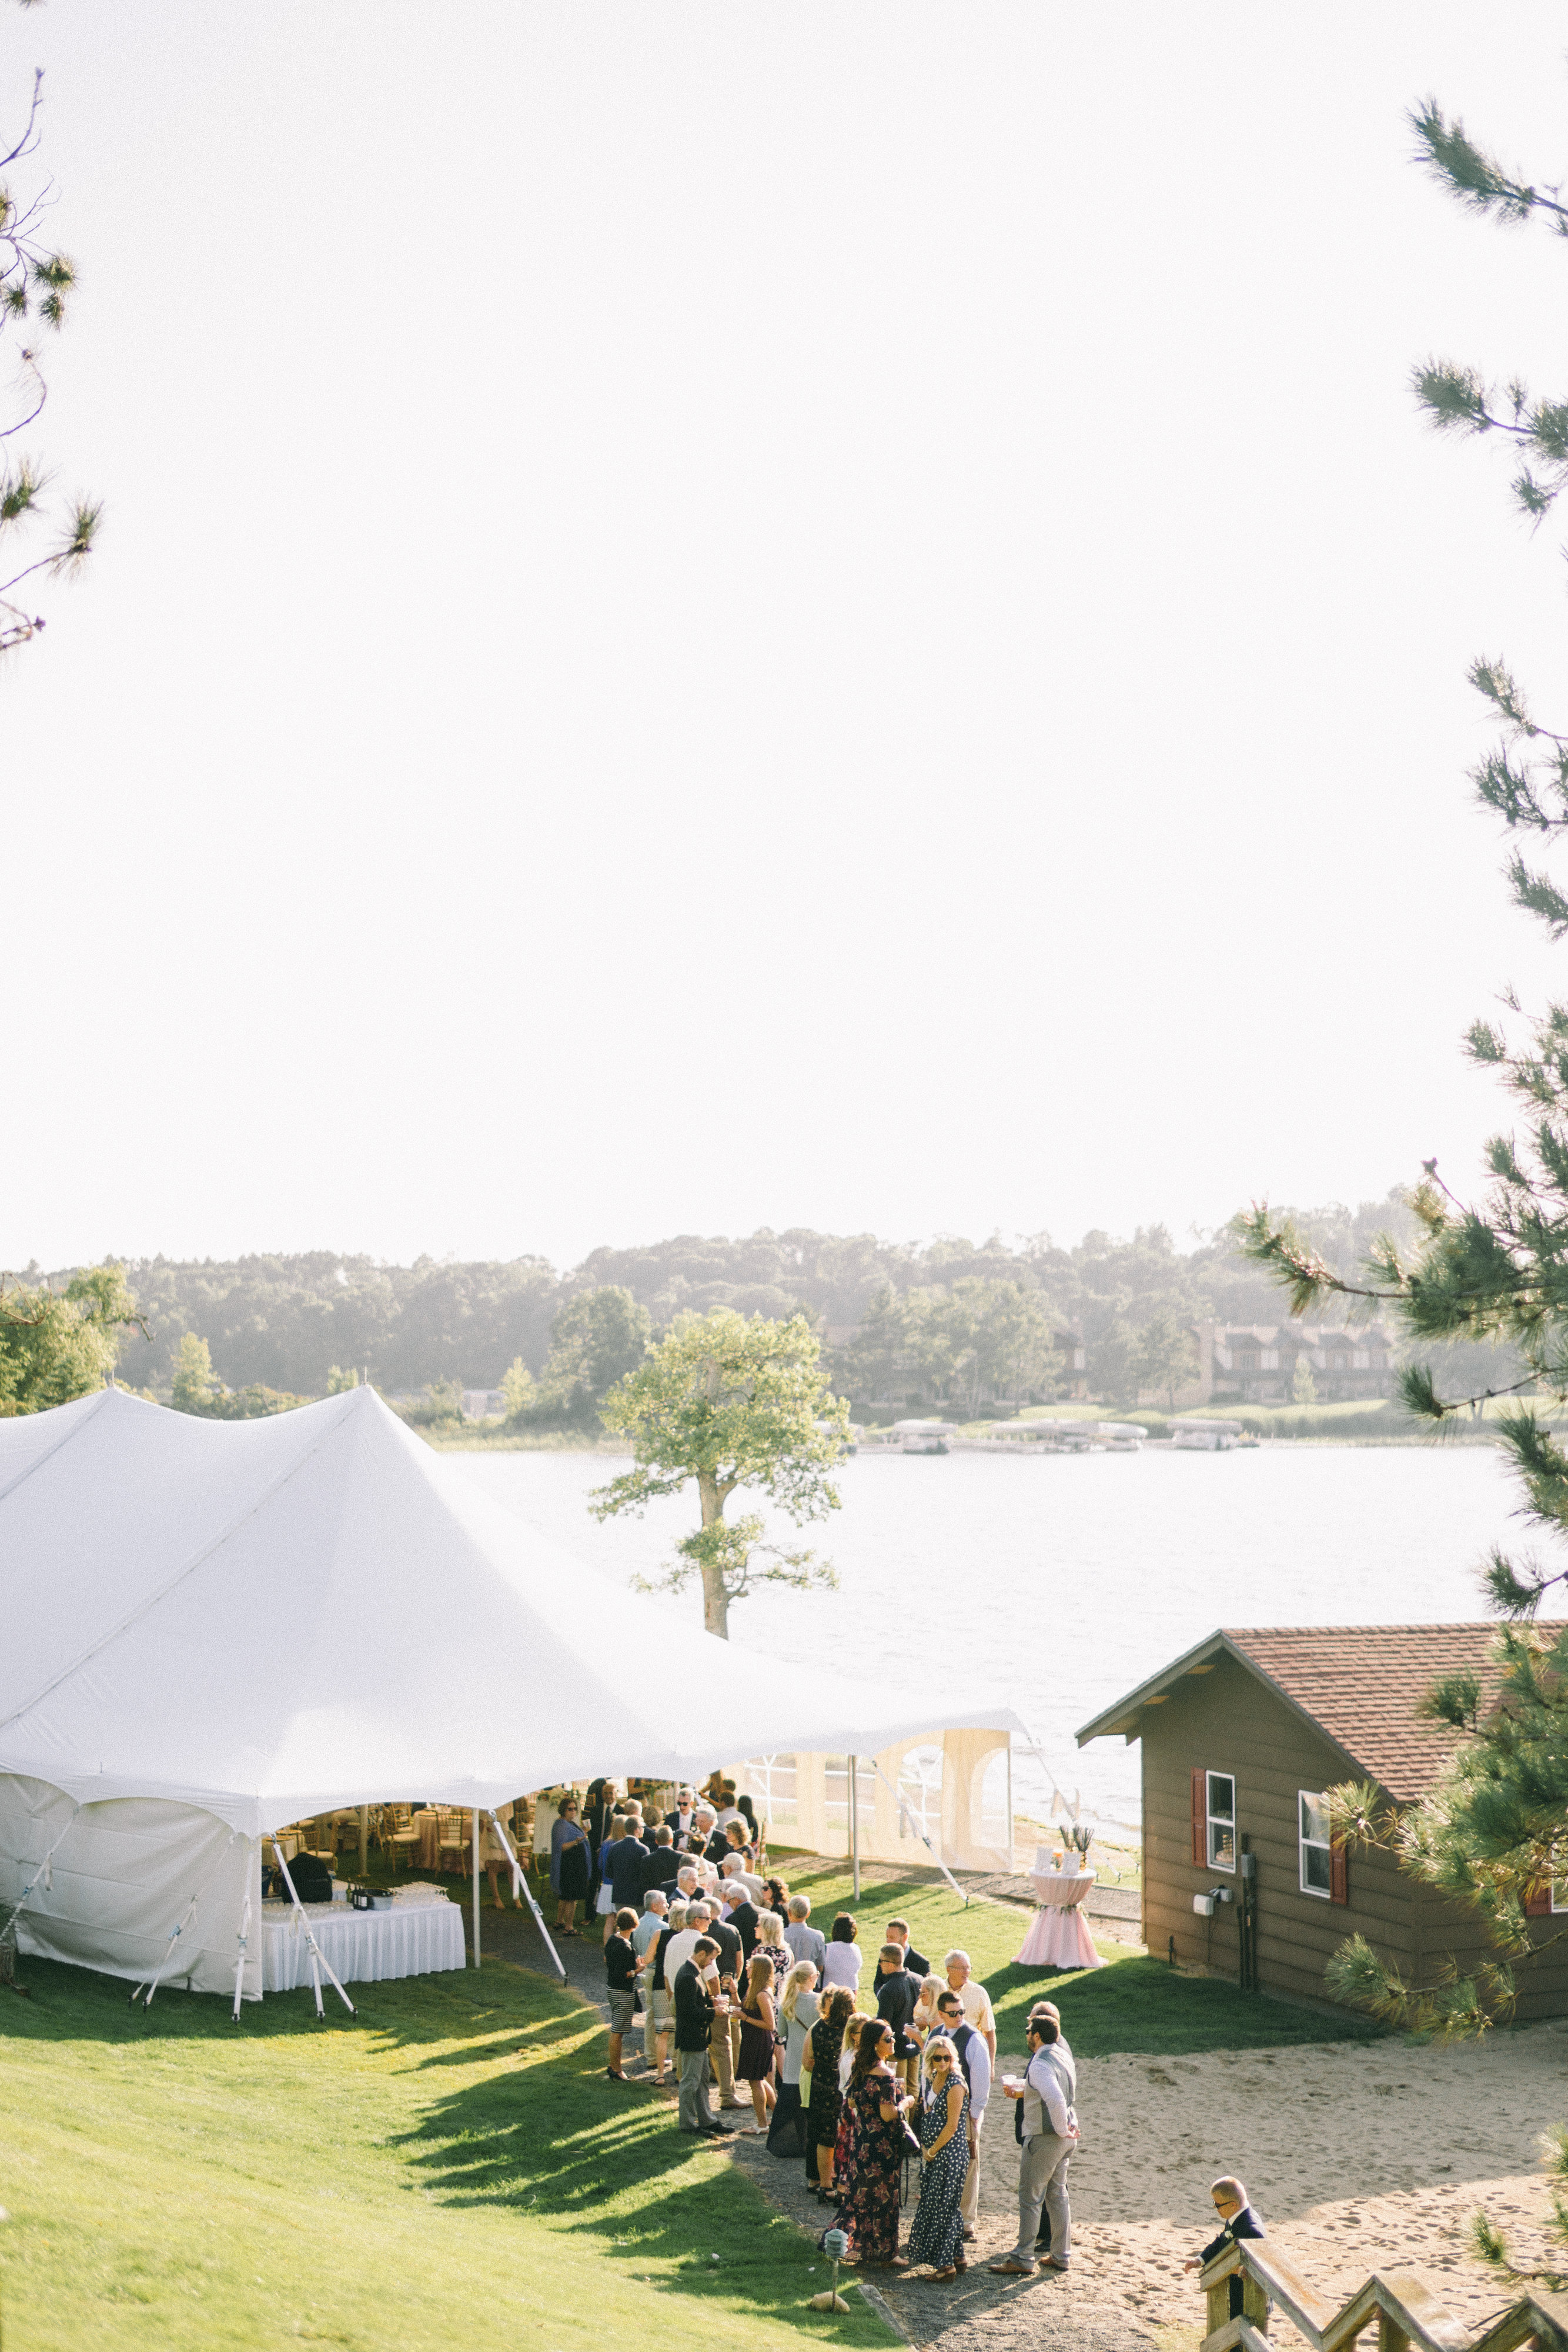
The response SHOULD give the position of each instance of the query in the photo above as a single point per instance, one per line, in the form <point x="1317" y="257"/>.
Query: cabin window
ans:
<point x="1221" y="1820"/>
<point x="1247" y="1361"/>
<point x="1313" y="1837"/>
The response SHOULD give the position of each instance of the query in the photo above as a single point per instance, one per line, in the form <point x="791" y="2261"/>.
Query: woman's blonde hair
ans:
<point x="941" y="2041"/>
<point x="854" y="2029"/>
<point x="800" y="1979"/>
<point x="770" y="1930"/>
<point x="675" y="1918"/>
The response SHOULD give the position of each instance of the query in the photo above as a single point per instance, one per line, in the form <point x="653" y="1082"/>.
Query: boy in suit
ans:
<point x="1238" y="2220"/>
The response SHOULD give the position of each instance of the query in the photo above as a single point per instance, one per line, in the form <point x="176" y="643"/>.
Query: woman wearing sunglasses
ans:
<point x="942" y="2120"/>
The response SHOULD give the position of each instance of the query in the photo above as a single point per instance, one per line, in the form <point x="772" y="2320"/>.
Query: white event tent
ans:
<point x="211" y="1628"/>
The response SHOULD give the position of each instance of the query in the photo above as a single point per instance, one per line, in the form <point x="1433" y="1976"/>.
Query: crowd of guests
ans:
<point x="741" y="1995"/>
<point x="855" y="2072"/>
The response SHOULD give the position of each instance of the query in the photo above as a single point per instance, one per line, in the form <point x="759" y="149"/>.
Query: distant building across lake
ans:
<point x="1255" y="1363"/>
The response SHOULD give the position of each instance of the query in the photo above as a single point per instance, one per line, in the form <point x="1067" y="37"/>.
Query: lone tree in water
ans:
<point x="34" y="284"/>
<point x="1493" y="1833"/>
<point x="730" y="1403"/>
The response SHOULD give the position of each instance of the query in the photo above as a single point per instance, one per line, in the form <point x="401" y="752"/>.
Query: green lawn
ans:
<point x="1136" y="2004"/>
<point x="454" y="2168"/>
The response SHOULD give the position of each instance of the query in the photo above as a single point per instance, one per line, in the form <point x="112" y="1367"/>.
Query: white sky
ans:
<point x="711" y="616"/>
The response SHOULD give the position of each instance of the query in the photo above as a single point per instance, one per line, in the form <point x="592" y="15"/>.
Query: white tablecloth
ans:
<point x="1058" y="1935"/>
<point x="410" y="1940"/>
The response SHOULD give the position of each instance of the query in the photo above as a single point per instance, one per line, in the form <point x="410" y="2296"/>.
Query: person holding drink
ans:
<point x="1050" y="2135"/>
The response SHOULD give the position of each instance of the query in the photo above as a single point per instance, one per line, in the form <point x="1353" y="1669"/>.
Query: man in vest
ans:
<point x="1049" y="2137"/>
<point x="1061" y="2058"/>
<point x="976" y="2061"/>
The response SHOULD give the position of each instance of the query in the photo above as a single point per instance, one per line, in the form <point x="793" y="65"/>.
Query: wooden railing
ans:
<point x="1408" y="2316"/>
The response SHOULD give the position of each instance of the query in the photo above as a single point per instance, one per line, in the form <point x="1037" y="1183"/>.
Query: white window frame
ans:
<point x="1213" y="1821"/>
<point x="1559" y="1895"/>
<point x="1305" y="1844"/>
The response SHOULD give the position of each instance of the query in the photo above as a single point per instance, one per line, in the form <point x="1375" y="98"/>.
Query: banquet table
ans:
<point x="408" y="1940"/>
<point x="1059" y="1935"/>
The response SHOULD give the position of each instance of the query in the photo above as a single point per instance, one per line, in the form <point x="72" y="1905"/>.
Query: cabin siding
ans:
<point x="1446" y="1931"/>
<point x="1227" y="1721"/>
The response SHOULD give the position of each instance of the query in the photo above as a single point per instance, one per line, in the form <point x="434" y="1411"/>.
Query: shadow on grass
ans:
<point x="551" y="2137"/>
<point x="536" y="2128"/>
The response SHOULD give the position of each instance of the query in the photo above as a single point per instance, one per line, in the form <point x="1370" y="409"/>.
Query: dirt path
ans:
<point x="1360" y="2156"/>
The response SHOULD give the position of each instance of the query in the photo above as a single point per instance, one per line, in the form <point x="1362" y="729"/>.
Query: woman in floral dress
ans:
<point x="943" y="2123"/>
<point x="869" y="2157"/>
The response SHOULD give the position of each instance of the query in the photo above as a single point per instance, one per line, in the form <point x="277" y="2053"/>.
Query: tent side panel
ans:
<point x="122" y="1880"/>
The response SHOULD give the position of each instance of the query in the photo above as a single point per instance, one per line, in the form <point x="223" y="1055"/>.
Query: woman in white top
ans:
<point x="841" y="1959"/>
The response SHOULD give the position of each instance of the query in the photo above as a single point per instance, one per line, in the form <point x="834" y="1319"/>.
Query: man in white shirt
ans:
<point x="806" y="1943"/>
<point x="1049" y="2137"/>
<point x="1061" y="2058"/>
<point x="680" y="1948"/>
<point x="977" y="2001"/>
<point x="658" y="2015"/>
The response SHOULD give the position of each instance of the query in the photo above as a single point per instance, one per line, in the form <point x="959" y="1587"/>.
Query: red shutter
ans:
<point x="1538" y="1901"/>
<point x="1339" y="1874"/>
<point x="1200" y="1820"/>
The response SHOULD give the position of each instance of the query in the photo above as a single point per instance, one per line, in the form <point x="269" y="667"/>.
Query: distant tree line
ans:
<point x="946" y="1323"/>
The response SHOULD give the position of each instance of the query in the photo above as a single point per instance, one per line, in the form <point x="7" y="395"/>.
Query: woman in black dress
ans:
<point x="819" y="2092"/>
<point x="757" y="2018"/>
<point x="569" y="1866"/>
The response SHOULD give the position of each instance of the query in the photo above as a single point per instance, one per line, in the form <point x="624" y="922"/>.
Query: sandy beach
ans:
<point x="1359" y="2156"/>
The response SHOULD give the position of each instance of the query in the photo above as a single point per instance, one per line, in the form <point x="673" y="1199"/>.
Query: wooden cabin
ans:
<point x="1240" y="1737"/>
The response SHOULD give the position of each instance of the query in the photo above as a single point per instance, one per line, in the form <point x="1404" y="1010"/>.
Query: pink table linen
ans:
<point x="1059" y="1934"/>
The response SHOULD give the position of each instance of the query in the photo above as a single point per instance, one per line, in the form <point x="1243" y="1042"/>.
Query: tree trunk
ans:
<point x="715" y="1597"/>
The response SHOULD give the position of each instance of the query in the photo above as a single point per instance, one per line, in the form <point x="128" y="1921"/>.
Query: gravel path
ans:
<point x="979" y="2313"/>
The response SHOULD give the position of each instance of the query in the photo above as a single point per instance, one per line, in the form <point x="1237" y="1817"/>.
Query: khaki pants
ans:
<point x="1042" y="2180"/>
<point x="723" y="2050"/>
<point x="658" y="2018"/>
<point x="970" y="2202"/>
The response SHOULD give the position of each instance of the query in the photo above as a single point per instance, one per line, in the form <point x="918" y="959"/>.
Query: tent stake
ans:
<point x="319" y="1959"/>
<point x="476" y="1885"/>
<point x="520" y="1882"/>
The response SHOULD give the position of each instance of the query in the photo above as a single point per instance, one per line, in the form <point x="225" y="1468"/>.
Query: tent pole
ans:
<point x="476" y="1885"/>
<point x="854" y="1829"/>
<point x="364" y="1841"/>
<point x="174" y="1936"/>
<point x="239" y="1963"/>
<point x="520" y="1880"/>
<point x="319" y="1959"/>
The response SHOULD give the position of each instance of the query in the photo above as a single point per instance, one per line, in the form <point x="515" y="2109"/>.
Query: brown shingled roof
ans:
<point x="1361" y="1683"/>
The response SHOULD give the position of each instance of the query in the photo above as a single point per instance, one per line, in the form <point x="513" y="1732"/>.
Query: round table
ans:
<point x="1059" y="1934"/>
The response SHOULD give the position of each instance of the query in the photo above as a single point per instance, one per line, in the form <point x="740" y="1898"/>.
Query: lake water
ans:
<point x="1059" y="1584"/>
